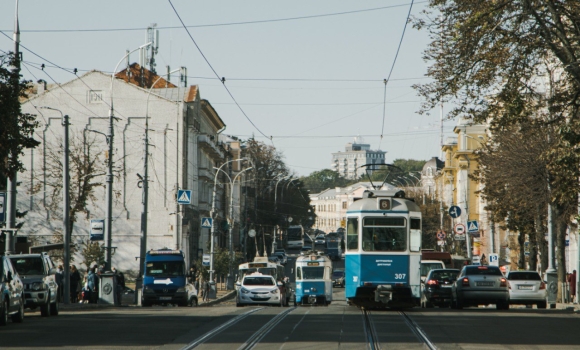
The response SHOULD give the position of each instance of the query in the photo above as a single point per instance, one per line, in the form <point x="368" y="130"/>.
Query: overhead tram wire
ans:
<point x="393" y="66"/>
<point x="214" y="71"/>
<point x="216" y="24"/>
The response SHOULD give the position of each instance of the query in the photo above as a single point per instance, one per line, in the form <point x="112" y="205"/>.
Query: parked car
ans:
<point x="274" y="259"/>
<point x="11" y="293"/>
<point x="338" y="278"/>
<point x="437" y="287"/>
<point x="428" y="265"/>
<point x="257" y="288"/>
<point x="527" y="288"/>
<point x="305" y="249"/>
<point x="38" y="274"/>
<point x="480" y="285"/>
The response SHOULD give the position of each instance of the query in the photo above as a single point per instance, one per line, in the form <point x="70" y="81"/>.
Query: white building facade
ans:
<point x="183" y="149"/>
<point x="348" y="163"/>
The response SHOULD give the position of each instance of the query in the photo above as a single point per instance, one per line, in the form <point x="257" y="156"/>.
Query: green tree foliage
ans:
<point x="93" y="253"/>
<point x="17" y="131"/>
<point x="409" y="165"/>
<point x="319" y="181"/>
<point x="504" y="62"/>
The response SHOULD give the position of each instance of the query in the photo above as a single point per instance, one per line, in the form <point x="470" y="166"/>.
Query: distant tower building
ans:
<point x="348" y="163"/>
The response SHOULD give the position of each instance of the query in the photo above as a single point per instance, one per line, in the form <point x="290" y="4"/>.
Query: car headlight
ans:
<point x="181" y="290"/>
<point x="274" y="291"/>
<point x="148" y="290"/>
<point x="244" y="290"/>
<point x="37" y="286"/>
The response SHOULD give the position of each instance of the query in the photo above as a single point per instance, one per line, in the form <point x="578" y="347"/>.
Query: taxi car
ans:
<point x="480" y="285"/>
<point x="527" y="288"/>
<point x="257" y="288"/>
<point x="11" y="293"/>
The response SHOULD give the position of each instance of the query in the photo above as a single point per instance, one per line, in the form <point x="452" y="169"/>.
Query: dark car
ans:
<point x="437" y="287"/>
<point x="11" y="293"/>
<point x="338" y="278"/>
<point x="480" y="285"/>
<point x="38" y="274"/>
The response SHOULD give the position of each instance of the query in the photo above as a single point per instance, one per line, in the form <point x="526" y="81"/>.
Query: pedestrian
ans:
<point x="58" y="276"/>
<point x="120" y="278"/>
<point x="75" y="287"/>
<point x="191" y="275"/>
<point x="571" y="279"/>
<point x="86" y="294"/>
<point x="93" y="285"/>
<point x="207" y="289"/>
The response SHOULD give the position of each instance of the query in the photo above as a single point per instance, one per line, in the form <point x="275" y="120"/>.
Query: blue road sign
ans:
<point x="184" y="197"/>
<point x="97" y="230"/>
<point x="206" y="222"/>
<point x="472" y="226"/>
<point x="454" y="211"/>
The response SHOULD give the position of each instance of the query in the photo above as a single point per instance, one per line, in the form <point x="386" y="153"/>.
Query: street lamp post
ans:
<point x="211" y="214"/>
<point x="65" y="207"/>
<point x="230" y="280"/>
<point x="109" y="177"/>
<point x="276" y="201"/>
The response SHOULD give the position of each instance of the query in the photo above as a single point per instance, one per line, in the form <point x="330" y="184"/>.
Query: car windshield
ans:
<point x="258" y="281"/>
<point x="524" y="276"/>
<point x="28" y="266"/>
<point x="444" y="275"/>
<point x="312" y="272"/>
<point x="482" y="270"/>
<point x="338" y="274"/>
<point x="164" y="268"/>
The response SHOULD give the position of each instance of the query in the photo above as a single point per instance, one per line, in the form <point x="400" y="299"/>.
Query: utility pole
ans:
<point x="66" y="212"/>
<point x="11" y="182"/>
<point x="145" y="200"/>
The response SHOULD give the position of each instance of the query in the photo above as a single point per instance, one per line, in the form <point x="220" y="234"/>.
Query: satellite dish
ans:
<point x="252" y="233"/>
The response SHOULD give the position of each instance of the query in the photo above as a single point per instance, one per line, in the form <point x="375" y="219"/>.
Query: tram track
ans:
<point x="262" y="332"/>
<point x="421" y="335"/>
<point x="371" y="335"/>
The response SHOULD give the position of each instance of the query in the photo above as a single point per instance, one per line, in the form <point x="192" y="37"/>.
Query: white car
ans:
<point x="259" y="289"/>
<point x="527" y="287"/>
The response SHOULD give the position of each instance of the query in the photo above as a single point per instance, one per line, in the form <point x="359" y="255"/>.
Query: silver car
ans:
<point x="527" y="288"/>
<point x="480" y="285"/>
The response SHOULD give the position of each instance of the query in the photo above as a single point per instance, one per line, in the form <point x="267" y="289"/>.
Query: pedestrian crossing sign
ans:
<point x="206" y="222"/>
<point x="472" y="226"/>
<point x="184" y="197"/>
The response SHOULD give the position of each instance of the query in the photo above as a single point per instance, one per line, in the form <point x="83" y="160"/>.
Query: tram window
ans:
<point x="352" y="234"/>
<point x="415" y="224"/>
<point x="384" y="239"/>
<point x="299" y="273"/>
<point x="313" y="273"/>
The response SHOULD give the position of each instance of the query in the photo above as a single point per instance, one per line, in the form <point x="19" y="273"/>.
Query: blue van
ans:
<point x="164" y="279"/>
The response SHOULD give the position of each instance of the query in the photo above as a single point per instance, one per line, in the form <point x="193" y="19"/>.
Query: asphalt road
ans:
<point x="338" y="326"/>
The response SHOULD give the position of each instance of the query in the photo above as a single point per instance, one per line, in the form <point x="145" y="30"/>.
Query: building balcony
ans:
<point x="209" y="146"/>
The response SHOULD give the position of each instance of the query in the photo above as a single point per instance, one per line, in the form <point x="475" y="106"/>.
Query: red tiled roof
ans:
<point x="144" y="80"/>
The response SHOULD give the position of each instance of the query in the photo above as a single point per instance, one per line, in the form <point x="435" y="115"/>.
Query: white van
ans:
<point x="428" y="265"/>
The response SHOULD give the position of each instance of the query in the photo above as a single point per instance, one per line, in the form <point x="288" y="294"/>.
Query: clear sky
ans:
<point x="308" y="73"/>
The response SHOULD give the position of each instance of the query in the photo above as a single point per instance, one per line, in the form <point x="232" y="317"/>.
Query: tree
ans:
<point x="85" y="162"/>
<point x="93" y="253"/>
<point x="319" y="181"/>
<point x="504" y="62"/>
<point x="17" y="131"/>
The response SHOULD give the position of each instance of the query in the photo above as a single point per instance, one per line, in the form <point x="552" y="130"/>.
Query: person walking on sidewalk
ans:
<point x="571" y="279"/>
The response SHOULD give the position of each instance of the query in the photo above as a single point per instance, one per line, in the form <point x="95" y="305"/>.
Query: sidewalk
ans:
<point x="221" y="295"/>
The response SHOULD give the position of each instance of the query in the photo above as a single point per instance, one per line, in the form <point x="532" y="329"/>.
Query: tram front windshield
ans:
<point x="384" y="234"/>
<point x="311" y="272"/>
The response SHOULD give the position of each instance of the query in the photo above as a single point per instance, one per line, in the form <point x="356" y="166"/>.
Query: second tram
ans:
<point x="313" y="279"/>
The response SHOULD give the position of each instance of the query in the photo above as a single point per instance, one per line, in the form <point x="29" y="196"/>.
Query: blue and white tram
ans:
<point x="383" y="250"/>
<point x="313" y="279"/>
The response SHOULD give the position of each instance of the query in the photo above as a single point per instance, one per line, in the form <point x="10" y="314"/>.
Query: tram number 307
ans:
<point x="400" y="276"/>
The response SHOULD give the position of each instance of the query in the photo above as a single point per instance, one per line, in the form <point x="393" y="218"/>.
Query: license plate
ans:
<point x="526" y="287"/>
<point x="446" y="286"/>
<point x="164" y="298"/>
<point x="484" y="284"/>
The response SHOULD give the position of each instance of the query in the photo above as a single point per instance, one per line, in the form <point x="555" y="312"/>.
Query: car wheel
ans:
<point x="542" y="305"/>
<point x="4" y="314"/>
<point x="19" y="316"/>
<point x="54" y="308"/>
<point x="45" y="309"/>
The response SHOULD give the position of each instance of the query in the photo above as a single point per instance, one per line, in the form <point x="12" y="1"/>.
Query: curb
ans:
<point x="225" y="297"/>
